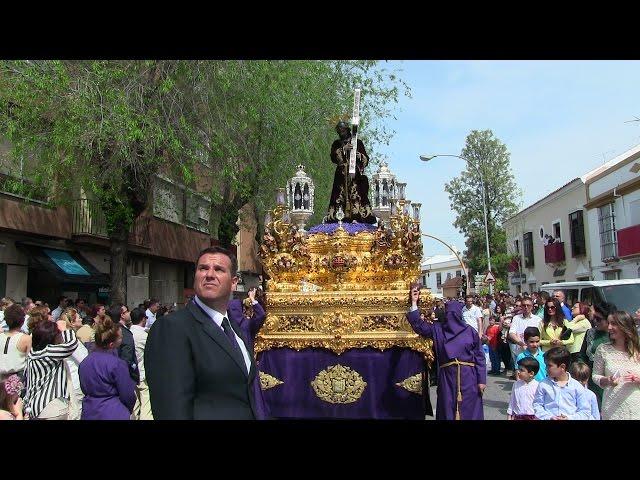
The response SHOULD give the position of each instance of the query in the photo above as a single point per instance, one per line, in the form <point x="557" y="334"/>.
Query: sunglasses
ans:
<point x="551" y="307"/>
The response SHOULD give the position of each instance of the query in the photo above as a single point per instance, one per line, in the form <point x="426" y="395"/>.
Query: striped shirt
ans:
<point x="47" y="377"/>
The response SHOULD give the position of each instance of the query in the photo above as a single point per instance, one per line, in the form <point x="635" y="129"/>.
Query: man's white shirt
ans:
<point x="151" y="317"/>
<point x="56" y="313"/>
<point x="471" y="316"/>
<point x="217" y="318"/>
<point x="25" y="325"/>
<point x="140" y="340"/>
<point x="519" y="324"/>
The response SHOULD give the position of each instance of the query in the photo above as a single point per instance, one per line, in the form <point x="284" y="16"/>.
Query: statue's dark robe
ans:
<point x="355" y="205"/>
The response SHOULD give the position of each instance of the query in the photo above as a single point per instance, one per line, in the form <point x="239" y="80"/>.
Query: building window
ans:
<point x="197" y="212"/>
<point x="612" y="275"/>
<point x="138" y="267"/>
<point x="168" y="201"/>
<point x="556" y="232"/>
<point x="527" y="245"/>
<point x="449" y="276"/>
<point x="607" y="226"/>
<point x="634" y="213"/>
<point x="576" y="227"/>
<point x="516" y="246"/>
<point x="439" y="280"/>
<point x="458" y="273"/>
<point x="173" y="202"/>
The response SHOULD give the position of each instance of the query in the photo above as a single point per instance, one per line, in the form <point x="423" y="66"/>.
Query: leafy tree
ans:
<point x="261" y="119"/>
<point x="487" y="159"/>
<point x="104" y="128"/>
<point x="234" y="128"/>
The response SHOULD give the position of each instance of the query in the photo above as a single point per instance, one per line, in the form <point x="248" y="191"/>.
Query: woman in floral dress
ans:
<point x="616" y="368"/>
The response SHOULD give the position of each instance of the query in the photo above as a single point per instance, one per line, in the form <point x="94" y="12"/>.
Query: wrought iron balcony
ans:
<point x="89" y="220"/>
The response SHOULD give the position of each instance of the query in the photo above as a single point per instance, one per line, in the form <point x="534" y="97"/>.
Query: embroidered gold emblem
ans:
<point x="412" y="384"/>
<point x="267" y="381"/>
<point x="339" y="384"/>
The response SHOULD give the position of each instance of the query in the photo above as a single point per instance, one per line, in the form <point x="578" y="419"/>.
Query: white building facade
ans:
<point x="437" y="269"/>
<point x="613" y="209"/>
<point x="589" y="229"/>
<point x="548" y="240"/>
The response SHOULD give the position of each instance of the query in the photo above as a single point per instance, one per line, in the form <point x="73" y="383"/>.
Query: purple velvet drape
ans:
<point x="381" y="399"/>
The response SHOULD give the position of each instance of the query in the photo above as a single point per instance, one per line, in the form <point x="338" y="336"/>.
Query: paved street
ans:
<point x="496" y="397"/>
<point x="495" y="401"/>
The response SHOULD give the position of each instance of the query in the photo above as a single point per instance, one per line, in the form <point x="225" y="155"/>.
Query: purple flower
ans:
<point x="13" y="385"/>
<point x="350" y="228"/>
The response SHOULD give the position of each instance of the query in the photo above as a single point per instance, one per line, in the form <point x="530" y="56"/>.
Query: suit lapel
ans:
<point x="240" y="333"/>
<point x="217" y="335"/>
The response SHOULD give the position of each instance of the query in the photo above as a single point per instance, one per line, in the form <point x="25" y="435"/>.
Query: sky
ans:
<point x="558" y="119"/>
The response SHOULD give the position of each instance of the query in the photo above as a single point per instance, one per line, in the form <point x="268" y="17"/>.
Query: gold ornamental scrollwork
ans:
<point x="412" y="384"/>
<point x="339" y="384"/>
<point x="382" y="322"/>
<point x="341" y="290"/>
<point x="296" y="323"/>
<point x="337" y="324"/>
<point x="385" y="259"/>
<point x="340" y="345"/>
<point x="268" y="381"/>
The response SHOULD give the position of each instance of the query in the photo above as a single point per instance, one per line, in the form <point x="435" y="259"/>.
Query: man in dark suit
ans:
<point x="197" y="363"/>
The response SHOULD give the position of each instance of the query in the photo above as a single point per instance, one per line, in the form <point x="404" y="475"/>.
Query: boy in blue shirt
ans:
<point x="560" y="397"/>
<point x="533" y="350"/>
<point x="582" y="373"/>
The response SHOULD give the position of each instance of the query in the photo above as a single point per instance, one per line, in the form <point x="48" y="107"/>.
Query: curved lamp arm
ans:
<point x="464" y="268"/>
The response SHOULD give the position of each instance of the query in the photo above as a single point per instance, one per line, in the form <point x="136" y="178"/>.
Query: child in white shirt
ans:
<point x="524" y="390"/>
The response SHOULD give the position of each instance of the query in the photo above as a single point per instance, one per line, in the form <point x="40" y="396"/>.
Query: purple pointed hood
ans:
<point x="453" y="325"/>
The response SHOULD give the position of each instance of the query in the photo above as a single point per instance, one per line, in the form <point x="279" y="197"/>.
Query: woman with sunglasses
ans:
<point x="553" y="327"/>
<point x="594" y="337"/>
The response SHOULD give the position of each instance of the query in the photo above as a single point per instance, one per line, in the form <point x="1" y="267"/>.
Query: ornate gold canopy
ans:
<point x="342" y="289"/>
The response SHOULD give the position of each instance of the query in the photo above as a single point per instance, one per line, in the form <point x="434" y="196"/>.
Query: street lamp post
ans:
<point x="425" y="158"/>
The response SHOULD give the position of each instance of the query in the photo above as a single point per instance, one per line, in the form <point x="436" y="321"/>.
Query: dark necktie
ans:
<point x="226" y="326"/>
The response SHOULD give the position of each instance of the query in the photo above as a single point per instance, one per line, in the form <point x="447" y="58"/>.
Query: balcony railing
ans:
<point x="88" y="219"/>
<point x="554" y="252"/>
<point x="629" y="241"/>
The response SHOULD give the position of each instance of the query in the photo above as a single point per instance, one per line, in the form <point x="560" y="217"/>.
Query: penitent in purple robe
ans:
<point x="250" y="328"/>
<point x="109" y="392"/>
<point x="453" y="339"/>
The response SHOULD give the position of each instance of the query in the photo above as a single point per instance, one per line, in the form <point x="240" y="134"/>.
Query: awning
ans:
<point x="66" y="266"/>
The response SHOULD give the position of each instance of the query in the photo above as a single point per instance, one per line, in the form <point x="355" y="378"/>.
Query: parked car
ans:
<point x="624" y="294"/>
